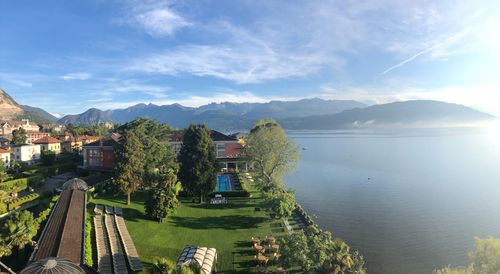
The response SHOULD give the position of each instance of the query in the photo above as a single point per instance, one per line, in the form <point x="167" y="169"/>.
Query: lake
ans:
<point x="410" y="201"/>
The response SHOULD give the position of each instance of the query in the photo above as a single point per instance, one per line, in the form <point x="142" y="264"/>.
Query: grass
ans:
<point x="228" y="228"/>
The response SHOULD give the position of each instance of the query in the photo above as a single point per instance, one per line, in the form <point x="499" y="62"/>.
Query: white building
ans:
<point x="5" y="157"/>
<point x="25" y="153"/>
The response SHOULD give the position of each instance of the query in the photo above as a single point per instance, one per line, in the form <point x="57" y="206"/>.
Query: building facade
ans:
<point x="5" y="157"/>
<point x="99" y="155"/>
<point x="227" y="149"/>
<point x="32" y="136"/>
<point x="26" y="153"/>
<point x="49" y="143"/>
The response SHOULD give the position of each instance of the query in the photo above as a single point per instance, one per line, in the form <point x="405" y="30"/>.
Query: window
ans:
<point x="220" y="150"/>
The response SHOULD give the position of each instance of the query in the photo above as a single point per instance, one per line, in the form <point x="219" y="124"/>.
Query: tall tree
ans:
<point x="19" y="136"/>
<point x="154" y="137"/>
<point x="273" y="154"/>
<point x="197" y="166"/>
<point x="130" y="163"/>
<point x="162" y="198"/>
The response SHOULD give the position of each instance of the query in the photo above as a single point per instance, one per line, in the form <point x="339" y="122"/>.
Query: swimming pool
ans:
<point x="223" y="183"/>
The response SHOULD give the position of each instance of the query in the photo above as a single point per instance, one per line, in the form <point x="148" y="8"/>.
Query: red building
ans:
<point x="99" y="155"/>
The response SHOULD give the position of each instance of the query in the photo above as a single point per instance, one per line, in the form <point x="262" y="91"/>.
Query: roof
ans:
<point x="203" y="256"/>
<point x="46" y="140"/>
<point x="216" y="136"/>
<point x="4" y="151"/>
<point x="108" y="141"/>
<point x="75" y="183"/>
<point x="52" y="265"/>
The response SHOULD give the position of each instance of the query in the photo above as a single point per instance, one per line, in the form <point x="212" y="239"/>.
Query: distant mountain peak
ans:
<point x="9" y="108"/>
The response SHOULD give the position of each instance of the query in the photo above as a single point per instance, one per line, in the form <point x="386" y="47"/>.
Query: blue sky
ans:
<point x="68" y="56"/>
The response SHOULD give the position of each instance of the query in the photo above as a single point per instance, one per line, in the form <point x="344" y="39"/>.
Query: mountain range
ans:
<point x="301" y="114"/>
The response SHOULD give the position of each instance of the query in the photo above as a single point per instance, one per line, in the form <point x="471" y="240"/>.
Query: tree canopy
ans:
<point x="130" y="163"/>
<point x="319" y="253"/>
<point x="197" y="166"/>
<point x="273" y="154"/>
<point x="19" y="136"/>
<point x="17" y="231"/>
<point x="484" y="259"/>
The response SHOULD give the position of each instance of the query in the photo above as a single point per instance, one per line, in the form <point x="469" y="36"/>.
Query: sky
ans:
<point x="68" y="56"/>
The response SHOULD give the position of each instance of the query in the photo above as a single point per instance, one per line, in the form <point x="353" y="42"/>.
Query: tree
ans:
<point x="17" y="231"/>
<point x="159" y="159"/>
<point x="271" y="151"/>
<point x="196" y="159"/>
<point x="294" y="250"/>
<point x="162" y="198"/>
<point x="130" y="164"/>
<point x="484" y="259"/>
<point x="281" y="202"/>
<point x="19" y="136"/>
<point x="3" y="174"/>
<point x="48" y="157"/>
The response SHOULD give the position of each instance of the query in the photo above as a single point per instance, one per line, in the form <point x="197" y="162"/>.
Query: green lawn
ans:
<point x="228" y="228"/>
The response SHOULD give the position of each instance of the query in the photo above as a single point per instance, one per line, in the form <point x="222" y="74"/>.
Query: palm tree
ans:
<point x="19" y="229"/>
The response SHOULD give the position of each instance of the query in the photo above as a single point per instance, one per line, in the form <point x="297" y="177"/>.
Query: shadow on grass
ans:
<point x="224" y="222"/>
<point x="230" y="205"/>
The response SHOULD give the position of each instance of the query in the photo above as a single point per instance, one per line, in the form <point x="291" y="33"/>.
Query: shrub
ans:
<point x="48" y="157"/>
<point x="12" y="204"/>
<point x="3" y="208"/>
<point x="88" y="260"/>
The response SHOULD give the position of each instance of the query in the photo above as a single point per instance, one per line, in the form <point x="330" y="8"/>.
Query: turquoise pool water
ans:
<point x="223" y="183"/>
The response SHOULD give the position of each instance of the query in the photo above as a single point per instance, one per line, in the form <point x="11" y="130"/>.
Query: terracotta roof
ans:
<point x="4" y="151"/>
<point x="107" y="141"/>
<point x="46" y="140"/>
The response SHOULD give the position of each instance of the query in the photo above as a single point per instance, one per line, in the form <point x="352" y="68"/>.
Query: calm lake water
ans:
<point x="410" y="200"/>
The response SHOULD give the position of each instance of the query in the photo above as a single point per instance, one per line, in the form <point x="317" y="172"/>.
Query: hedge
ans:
<point x="88" y="258"/>
<point x="54" y="169"/>
<point x="21" y="184"/>
<point x="12" y="204"/>
<point x="45" y="214"/>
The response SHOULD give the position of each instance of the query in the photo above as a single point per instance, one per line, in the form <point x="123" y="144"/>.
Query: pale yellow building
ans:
<point x="49" y="143"/>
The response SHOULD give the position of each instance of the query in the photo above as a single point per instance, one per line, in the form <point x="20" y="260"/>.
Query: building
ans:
<point x="32" y="136"/>
<point x="26" y="153"/>
<point x="6" y="127"/>
<point x="49" y="143"/>
<point x="99" y="155"/>
<point x="64" y="234"/>
<point x="5" y="157"/>
<point x="75" y="144"/>
<point x="227" y="149"/>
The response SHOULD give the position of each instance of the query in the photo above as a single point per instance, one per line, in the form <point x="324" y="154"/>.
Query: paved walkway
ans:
<point x="247" y="182"/>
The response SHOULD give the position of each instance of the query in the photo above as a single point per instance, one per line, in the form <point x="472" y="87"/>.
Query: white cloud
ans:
<point x="157" y="18"/>
<point x="445" y="43"/>
<point x="76" y="76"/>
<point x="161" y="22"/>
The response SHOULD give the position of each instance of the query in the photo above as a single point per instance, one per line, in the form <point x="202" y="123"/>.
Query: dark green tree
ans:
<point x="17" y="231"/>
<point x="281" y="202"/>
<point x="129" y="170"/>
<point x="162" y="199"/>
<point x="19" y="136"/>
<point x="158" y="158"/>
<point x="197" y="166"/>
<point x="48" y="157"/>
